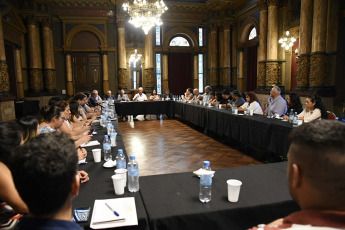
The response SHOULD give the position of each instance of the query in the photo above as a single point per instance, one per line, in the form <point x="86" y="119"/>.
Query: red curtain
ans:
<point x="180" y="72"/>
<point x="252" y="54"/>
<point x="294" y="65"/>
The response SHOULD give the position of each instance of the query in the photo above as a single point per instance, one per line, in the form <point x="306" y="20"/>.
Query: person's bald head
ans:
<point x="109" y="93"/>
<point x="141" y="90"/>
<point x="316" y="165"/>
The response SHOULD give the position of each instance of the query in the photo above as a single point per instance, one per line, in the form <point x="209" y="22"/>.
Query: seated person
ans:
<point x="168" y="95"/>
<point x="122" y="96"/>
<point x="82" y="100"/>
<point x="277" y="105"/>
<point x="206" y="95"/>
<point x="95" y="100"/>
<point x="140" y="96"/>
<point x="252" y="103"/>
<point x="237" y="98"/>
<point x="52" y="119"/>
<point x="316" y="177"/>
<point x="11" y="204"/>
<point x="109" y="96"/>
<point x="314" y="109"/>
<point x="154" y="96"/>
<point x="197" y="96"/>
<point x="294" y="102"/>
<point x="213" y="99"/>
<point x="77" y="114"/>
<point x="29" y="125"/>
<point x="47" y="191"/>
<point x="188" y="95"/>
<point x="226" y="98"/>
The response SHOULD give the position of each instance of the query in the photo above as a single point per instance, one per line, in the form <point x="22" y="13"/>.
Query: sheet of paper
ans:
<point x="91" y="143"/>
<point x="103" y="217"/>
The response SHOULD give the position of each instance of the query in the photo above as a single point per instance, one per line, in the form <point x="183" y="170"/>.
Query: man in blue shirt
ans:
<point x="277" y="105"/>
<point x="109" y="96"/>
<point x="45" y="174"/>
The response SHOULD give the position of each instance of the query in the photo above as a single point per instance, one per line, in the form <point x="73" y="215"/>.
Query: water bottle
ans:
<point x="205" y="183"/>
<point x="104" y="119"/>
<point x="295" y="120"/>
<point x="291" y="116"/>
<point x="120" y="160"/>
<point x="108" y="126"/>
<point x="133" y="175"/>
<point x="113" y="136"/>
<point x="107" y="148"/>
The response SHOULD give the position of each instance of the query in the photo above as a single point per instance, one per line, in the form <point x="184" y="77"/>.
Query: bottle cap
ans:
<point x="206" y="163"/>
<point x="119" y="151"/>
<point x="132" y="157"/>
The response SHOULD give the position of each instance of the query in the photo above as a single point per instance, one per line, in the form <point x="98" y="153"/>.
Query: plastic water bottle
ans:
<point x="205" y="183"/>
<point x="133" y="175"/>
<point x="108" y="126"/>
<point x="107" y="148"/>
<point x="113" y="136"/>
<point x="291" y="116"/>
<point x="120" y="159"/>
<point x="295" y="120"/>
<point x="104" y="119"/>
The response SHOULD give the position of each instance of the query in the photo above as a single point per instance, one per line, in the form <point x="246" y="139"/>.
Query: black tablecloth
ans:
<point x="25" y="108"/>
<point x="255" y="131"/>
<point x="172" y="202"/>
<point x="143" y="107"/>
<point x="100" y="185"/>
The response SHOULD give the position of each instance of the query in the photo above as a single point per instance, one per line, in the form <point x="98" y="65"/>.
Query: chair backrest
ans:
<point x="331" y="115"/>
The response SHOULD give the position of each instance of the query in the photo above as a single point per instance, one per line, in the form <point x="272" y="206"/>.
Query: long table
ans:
<point x="172" y="202"/>
<point x="100" y="185"/>
<point x="253" y="131"/>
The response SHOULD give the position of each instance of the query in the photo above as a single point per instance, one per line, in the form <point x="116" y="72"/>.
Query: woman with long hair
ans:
<point x="315" y="109"/>
<point x="154" y="96"/>
<point x="294" y="102"/>
<point x="252" y="103"/>
<point x="77" y="114"/>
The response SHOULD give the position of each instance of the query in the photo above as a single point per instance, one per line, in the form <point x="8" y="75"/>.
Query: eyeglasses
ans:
<point x="64" y="118"/>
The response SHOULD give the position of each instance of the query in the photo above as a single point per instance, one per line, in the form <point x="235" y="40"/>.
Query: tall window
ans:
<point x="159" y="73"/>
<point x="135" y="80"/>
<point x="200" y="37"/>
<point x="179" y="41"/>
<point x="158" y="36"/>
<point x="201" y="72"/>
<point x="252" y="34"/>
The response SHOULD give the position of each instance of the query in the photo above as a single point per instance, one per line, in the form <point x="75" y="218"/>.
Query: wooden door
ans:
<point x="87" y="72"/>
<point x="180" y="68"/>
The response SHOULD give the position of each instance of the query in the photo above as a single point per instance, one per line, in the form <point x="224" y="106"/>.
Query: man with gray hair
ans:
<point x="206" y="95"/>
<point x="277" y="105"/>
<point x="140" y="96"/>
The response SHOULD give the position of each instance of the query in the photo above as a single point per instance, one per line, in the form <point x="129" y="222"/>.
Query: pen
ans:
<point x="116" y="214"/>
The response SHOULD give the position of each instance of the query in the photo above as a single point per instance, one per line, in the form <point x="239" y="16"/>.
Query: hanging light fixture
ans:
<point x="287" y="41"/>
<point x="135" y="57"/>
<point x="145" y="13"/>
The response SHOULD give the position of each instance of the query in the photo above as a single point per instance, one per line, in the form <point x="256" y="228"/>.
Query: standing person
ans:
<point x="167" y="95"/>
<point x="11" y="203"/>
<point x="252" y="104"/>
<point x="315" y="110"/>
<point x="315" y="177"/>
<point x="140" y="96"/>
<point x="47" y="191"/>
<point x="109" y="96"/>
<point x="122" y="96"/>
<point x="277" y="104"/>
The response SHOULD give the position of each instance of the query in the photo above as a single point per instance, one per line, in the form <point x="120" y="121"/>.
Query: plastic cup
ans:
<point x="96" y="155"/>
<point x="118" y="182"/>
<point x="251" y="112"/>
<point x="234" y="187"/>
<point x="122" y="172"/>
<point x="220" y="106"/>
<point x="235" y="111"/>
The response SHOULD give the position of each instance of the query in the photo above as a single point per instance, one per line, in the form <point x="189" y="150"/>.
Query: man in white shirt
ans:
<point x="140" y="96"/>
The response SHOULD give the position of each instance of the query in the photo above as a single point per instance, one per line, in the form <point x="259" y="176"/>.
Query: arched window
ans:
<point x="179" y="41"/>
<point x="252" y="34"/>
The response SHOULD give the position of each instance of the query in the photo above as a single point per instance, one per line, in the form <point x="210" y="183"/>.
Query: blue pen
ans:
<point x="116" y="214"/>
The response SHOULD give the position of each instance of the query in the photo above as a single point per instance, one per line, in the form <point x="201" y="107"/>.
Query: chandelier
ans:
<point x="287" y="41"/>
<point x="135" y="57"/>
<point x="145" y="13"/>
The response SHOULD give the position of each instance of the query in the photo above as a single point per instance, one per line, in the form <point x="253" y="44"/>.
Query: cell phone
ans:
<point x="91" y="131"/>
<point x="81" y="214"/>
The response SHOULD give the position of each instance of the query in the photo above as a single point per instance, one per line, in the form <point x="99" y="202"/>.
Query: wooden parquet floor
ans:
<point x="169" y="146"/>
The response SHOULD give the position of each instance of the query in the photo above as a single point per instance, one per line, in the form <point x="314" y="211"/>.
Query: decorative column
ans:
<point x="261" y="80"/>
<point x="305" y="32"/>
<point x="284" y="79"/>
<point x="272" y="66"/>
<point x="4" y="79"/>
<point x="18" y="63"/>
<point x="165" y="72"/>
<point x="149" y="81"/>
<point x="124" y="81"/>
<point x="240" y="71"/>
<point x="36" y="78"/>
<point x="195" y="68"/>
<point x="317" y="73"/>
<point x="69" y="75"/>
<point x="214" y="56"/>
<point x="105" y="72"/>
<point x="49" y="64"/>
<point x="332" y="40"/>
<point x="226" y="65"/>
<point x="233" y="56"/>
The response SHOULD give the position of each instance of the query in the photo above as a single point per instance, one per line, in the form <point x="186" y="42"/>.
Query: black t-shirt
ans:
<point x="226" y="101"/>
